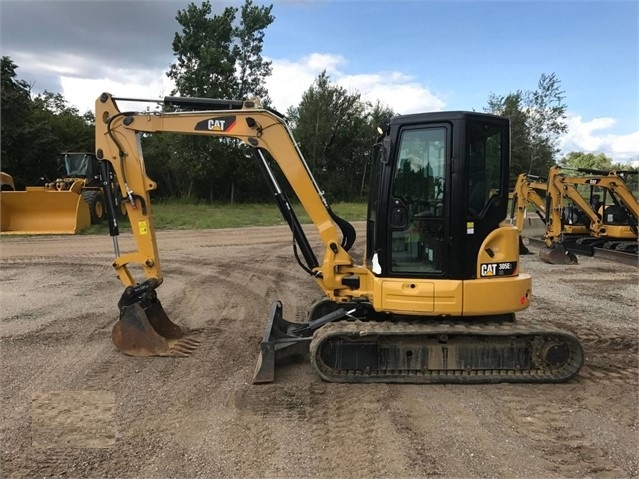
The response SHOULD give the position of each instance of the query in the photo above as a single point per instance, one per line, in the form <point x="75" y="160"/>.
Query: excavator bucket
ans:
<point x="557" y="254"/>
<point x="43" y="211"/>
<point x="144" y="329"/>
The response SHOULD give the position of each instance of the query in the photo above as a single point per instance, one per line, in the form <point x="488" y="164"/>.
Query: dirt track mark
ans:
<point x="555" y="426"/>
<point x="201" y="417"/>
<point x="339" y="434"/>
<point x="73" y="419"/>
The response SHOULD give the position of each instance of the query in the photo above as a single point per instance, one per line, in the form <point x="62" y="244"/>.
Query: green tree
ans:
<point x="204" y="65"/>
<point x="512" y="106"/>
<point x="580" y="159"/>
<point x="335" y="130"/>
<point x="36" y="130"/>
<point x="251" y="67"/>
<point x="218" y="56"/>
<point x="70" y="130"/>
<point x="16" y="129"/>
<point x="538" y="119"/>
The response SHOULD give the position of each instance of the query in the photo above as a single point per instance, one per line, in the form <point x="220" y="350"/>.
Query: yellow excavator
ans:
<point x="608" y="212"/>
<point x="435" y="298"/>
<point x="582" y="209"/>
<point x="529" y="189"/>
<point x="65" y="206"/>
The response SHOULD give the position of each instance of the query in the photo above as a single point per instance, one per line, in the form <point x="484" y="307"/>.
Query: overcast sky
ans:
<point x="412" y="55"/>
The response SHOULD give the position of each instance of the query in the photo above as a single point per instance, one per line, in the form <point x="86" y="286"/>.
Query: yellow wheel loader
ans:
<point x="67" y="205"/>
<point x="435" y="298"/>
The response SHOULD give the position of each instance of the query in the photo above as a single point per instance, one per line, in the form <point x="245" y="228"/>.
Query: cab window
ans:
<point x="419" y="185"/>
<point x="484" y="165"/>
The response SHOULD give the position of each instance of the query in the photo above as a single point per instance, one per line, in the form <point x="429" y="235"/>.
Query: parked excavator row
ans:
<point x="436" y="297"/>
<point x="582" y="209"/>
<point x="65" y="206"/>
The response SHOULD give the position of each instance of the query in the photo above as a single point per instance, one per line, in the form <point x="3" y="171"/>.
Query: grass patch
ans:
<point x="180" y="215"/>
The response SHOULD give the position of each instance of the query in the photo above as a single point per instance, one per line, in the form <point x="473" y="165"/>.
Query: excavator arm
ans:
<point x="262" y="131"/>
<point x="527" y="189"/>
<point x="620" y="194"/>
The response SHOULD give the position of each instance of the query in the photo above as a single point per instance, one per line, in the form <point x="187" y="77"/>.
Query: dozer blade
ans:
<point x="557" y="254"/>
<point x="144" y="329"/>
<point x="282" y="339"/>
<point x="40" y="211"/>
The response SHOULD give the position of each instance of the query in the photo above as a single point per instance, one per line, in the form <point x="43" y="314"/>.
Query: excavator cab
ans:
<point x="430" y="212"/>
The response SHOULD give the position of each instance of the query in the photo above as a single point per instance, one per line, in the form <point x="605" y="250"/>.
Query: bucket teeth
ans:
<point x="182" y="347"/>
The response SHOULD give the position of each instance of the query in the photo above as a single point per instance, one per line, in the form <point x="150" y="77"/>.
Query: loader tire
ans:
<point x="97" y="209"/>
<point x="121" y="209"/>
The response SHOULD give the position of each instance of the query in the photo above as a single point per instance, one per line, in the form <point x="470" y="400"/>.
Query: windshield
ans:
<point x="77" y="165"/>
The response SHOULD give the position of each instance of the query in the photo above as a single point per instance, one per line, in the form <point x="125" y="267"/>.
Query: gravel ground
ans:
<point x="72" y="406"/>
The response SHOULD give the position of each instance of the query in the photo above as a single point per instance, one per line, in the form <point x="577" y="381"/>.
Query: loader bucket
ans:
<point x="144" y="329"/>
<point x="557" y="254"/>
<point x="43" y="211"/>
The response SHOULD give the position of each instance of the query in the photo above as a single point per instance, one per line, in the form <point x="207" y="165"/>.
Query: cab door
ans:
<point x="418" y="199"/>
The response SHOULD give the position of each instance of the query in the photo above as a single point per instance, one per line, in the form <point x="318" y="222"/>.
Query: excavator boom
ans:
<point x="144" y="328"/>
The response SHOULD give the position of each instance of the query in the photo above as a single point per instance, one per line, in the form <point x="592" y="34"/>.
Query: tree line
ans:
<point x="35" y="128"/>
<point x="220" y="56"/>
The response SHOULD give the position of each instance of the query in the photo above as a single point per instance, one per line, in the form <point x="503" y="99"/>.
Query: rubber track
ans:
<point x="435" y="376"/>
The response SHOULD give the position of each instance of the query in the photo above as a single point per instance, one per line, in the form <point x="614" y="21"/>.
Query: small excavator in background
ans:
<point x="65" y="206"/>
<point x="582" y="210"/>
<point x="435" y="298"/>
<point x="529" y="189"/>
